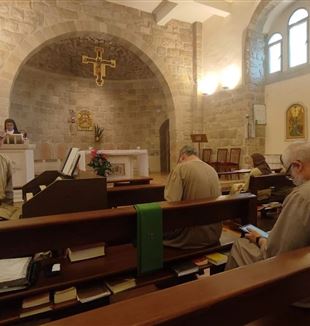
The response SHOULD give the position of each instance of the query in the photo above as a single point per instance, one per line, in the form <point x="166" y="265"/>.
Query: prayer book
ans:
<point x="15" y="273"/>
<point x="71" y="161"/>
<point x="91" y="292"/>
<point x="117" y="285"/>
<point x="185" y="268"/>
<point x="36" y="300"/>
<point x="86" y="252"/>
<point x="217" y="258"/>
<point x="35" y="310"/>
<point x="65" y="295"/>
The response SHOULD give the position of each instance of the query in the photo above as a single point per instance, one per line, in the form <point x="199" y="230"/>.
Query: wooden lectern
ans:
<point x="199" y="138"/>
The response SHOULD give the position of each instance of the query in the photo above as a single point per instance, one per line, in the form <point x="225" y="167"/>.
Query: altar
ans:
<point x="125" y="163"/>
<point x="21" y="157"/>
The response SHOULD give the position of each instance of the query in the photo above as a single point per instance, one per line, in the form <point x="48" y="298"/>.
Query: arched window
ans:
<point x="298" y="37"/>
<point x="275" y="53"/>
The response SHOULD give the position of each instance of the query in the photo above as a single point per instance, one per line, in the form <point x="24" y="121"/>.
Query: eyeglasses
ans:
<point x="288" y="170"/>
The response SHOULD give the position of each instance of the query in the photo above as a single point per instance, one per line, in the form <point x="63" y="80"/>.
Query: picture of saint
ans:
<point x="85" y="120"/>
<point x="295" y="122"/>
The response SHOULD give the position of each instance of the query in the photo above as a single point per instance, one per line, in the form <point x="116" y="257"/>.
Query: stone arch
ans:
<point x="35" y="41"/>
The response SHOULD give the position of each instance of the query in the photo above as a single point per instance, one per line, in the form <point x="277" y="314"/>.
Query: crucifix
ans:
<point x="99" y="65"/>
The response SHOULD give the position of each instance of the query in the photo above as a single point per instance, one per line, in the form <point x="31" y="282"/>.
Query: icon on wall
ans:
<point x="296" y="122"/>
<point x="85" y="120"/>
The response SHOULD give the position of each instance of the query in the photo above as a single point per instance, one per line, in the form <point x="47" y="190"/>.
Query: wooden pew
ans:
<point x="234" y="297"/>
<point x="135" y="194"/>
<point x="275" y="181"/>
<point x="117" y="227"/>
<point x="131" y="181"/>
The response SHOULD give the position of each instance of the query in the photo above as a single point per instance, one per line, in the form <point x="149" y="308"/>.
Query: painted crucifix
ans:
<point x="99" y="65"/>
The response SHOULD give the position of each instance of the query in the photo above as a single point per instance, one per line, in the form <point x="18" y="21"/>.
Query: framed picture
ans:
<point x="296" y="122"/>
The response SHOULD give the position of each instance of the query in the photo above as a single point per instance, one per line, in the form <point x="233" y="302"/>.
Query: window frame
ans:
<point x="306" y="19"/>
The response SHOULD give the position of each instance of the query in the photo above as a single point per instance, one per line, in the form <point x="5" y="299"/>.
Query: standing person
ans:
<point x="10" y="127"/>
<point x="192" y="179"/>
<point x="291" y="230"/>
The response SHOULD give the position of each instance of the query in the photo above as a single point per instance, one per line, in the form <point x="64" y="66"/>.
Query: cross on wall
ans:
<point x="99" y="65"/>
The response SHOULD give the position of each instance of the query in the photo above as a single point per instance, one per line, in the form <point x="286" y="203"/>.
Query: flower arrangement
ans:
<point x="99" y="162"/>
<point x="98" y="133"/>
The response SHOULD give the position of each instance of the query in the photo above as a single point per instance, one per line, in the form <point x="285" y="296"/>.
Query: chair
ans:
<point x="221" y="159"/>
<point x="234" y="159"/>
<point x="206" y="154"/>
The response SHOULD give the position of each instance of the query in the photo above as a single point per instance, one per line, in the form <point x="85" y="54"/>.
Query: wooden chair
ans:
<point x="221" y="159"/>
<point x="206" y="155"/>
<point x="234" y="160"/>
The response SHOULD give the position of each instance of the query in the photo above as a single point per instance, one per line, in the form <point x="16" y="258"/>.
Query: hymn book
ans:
<point x="15" y="273"/>
<point x="117" y="285"/>
<point x="217" y="258"/>
<point x="185" y="268"/>
<point x="91" y="292"/>
<point x="65" y="295"/>
<point x="86" y="252"/>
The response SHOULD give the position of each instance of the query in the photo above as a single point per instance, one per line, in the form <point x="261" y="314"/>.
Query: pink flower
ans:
<point x="93" y="152"/>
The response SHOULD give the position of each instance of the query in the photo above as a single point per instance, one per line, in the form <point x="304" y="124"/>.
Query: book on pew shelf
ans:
<point x="217" y="258"/>
<point x="204" y="273"/>
<point x="117" y="285"/>
<point x="201" y="261"/>
<point x="92" y="291"/>
<point x="65" y="295"/>
<point x="15" y="273"/>
<point x="86" y="252"/>
<point x="185" y="268"/>
<point x="35" y="310"/>
<point x="36" y="300"/>
<point x="250" y="227"/>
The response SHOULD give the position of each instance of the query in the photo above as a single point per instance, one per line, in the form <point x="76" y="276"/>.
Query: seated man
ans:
<point x="192" y="179"/>
<point x="291" y="230"/>
<point x="7" y="210"/>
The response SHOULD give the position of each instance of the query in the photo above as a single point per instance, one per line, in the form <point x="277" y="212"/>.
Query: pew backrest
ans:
<point x="115" y="226"/>
<point x="235" y="297"/>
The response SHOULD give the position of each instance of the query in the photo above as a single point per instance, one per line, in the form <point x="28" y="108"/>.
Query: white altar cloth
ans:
<point x="122" y="162"/>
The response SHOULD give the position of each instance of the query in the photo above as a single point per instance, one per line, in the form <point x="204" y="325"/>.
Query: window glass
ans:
<point x="297" y="16"/>
<point x="274" y="38"/>
<point x="298" y="44"/>
<point x="275" y="57"/>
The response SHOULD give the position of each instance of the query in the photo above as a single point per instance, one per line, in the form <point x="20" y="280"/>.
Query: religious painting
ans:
<point x="84" y="120"/>
<point x="118" y="170"/>
<point x="296" y="122"/>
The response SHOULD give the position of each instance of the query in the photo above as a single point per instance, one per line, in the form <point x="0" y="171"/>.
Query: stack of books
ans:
<point x="36" y="305"/>
<point x="86" y="252"/>
<point x="15" y="273"/>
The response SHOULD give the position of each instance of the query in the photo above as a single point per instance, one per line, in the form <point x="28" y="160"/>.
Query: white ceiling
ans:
<point x="184" y="10"/>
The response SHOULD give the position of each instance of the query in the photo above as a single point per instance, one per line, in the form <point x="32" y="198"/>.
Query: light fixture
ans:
<point x="209" y="84"/>
<point x="230" y="77"/>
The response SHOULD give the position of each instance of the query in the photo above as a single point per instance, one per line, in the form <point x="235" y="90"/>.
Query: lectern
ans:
<point x="199" y="138"/>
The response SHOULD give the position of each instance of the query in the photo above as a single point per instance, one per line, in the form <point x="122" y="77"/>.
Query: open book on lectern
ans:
<point x="70" y="162"/>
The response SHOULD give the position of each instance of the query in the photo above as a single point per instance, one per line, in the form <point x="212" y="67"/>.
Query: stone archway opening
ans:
<point x="52" y="83"/>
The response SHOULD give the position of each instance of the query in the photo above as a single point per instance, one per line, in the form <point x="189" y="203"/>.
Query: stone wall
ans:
<point x="131" y="112"/>
<point x="26" y="26"/>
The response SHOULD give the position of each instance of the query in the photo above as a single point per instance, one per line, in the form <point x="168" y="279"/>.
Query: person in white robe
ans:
<point x="291" y="230"/>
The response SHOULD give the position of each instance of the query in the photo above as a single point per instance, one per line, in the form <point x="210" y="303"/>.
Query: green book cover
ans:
<point x="149" y="237"/>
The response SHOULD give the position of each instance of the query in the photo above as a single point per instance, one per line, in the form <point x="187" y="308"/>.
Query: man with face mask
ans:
<point x="291" y="230"/>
